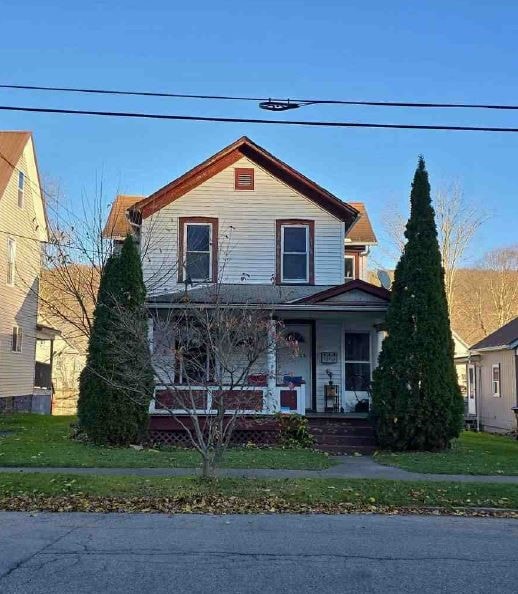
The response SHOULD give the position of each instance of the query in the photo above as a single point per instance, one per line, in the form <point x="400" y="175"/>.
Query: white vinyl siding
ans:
<point x="247" y="231"/>
<point x="19" y="304"/>
<point x="496" y="413"/>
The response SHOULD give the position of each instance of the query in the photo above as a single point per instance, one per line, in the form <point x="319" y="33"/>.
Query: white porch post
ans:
<point x="150" y="333"/>
<point x="272" y="403"/>
<point x="380" y="337"/>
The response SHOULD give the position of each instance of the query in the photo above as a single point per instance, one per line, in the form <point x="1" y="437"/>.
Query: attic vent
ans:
<point x="244" y="179"/>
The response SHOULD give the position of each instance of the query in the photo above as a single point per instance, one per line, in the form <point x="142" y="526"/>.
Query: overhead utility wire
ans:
<point x="302" y="102"/>
<point x="328" y="124"/>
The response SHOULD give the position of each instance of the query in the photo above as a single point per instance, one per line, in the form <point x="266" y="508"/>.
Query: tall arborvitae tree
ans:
<point x="110" y="411"/>
<point x="417" y="403"/>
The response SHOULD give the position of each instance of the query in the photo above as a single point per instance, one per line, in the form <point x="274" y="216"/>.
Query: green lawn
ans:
<point x="38" y="440"/>
<point x="473" y="453"/>
<point x="61" y="492"/>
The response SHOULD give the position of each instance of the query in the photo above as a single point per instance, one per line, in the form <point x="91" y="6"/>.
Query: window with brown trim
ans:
<point x="294" y="247"/>
<point x="197" y="249"/>
<point x="243" y="178"/>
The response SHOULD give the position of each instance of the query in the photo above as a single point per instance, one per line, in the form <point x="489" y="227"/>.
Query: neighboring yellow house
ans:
<point x="23" y="229"/>
<point x="67" y="359"/>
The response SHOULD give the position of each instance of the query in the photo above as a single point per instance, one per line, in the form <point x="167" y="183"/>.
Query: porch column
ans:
<point x="380" y="337"/>
<point x="272" y="403"/>
<point x="150" y="333"/>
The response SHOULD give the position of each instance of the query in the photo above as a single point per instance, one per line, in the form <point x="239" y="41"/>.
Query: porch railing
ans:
<point x="249" y="400"/>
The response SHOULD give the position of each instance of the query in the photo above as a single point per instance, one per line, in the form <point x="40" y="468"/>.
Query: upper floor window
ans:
<point x="243" y="178"/>
<point x="295" y="251"/>
<point x="495" y="379"/>
<point x="349" y="267"/>
<point x="16" y="339"/>
<point x="21" y="186"/>
<point x="198" y="249"/>
<point x="11" y="261"/>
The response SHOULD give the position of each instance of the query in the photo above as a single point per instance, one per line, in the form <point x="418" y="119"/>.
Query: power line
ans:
<point x="327" y="124"/>
<point x="303" y="102"/>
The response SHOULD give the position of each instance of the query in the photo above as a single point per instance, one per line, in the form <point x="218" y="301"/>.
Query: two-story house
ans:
<point x="289" y="245"/>
<point x="23" y="228"/>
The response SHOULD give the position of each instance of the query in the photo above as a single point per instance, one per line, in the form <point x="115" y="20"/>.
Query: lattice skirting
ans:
<point x="179" y="438"/>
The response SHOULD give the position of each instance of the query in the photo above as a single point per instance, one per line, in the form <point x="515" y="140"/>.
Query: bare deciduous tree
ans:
<point x="487" y="296"/>
<point x="457" y="224"/>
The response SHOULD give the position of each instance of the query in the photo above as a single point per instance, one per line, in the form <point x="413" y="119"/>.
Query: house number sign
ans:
<point x="328" y="357"/>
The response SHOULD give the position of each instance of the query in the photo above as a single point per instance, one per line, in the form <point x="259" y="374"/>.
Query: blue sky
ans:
<point x="460" y="51"/>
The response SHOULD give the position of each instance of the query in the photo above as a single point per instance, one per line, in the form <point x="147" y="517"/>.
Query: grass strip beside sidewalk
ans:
<point x="473" y="453"/>
<point x="61" y="492"/>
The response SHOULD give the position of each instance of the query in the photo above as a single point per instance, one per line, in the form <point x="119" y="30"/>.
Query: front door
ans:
<point x="472" y="390"/>
<point x="296" y="360"/>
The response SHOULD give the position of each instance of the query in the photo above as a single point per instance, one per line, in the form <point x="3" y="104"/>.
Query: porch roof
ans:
<point x="279" y="296"/>
<point x="240" y="294"/>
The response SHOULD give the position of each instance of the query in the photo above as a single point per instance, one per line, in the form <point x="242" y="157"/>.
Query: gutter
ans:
<point x="268" y="306"/>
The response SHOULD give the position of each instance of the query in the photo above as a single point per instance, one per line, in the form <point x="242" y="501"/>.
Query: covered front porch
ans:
<point x="337" y="334"/>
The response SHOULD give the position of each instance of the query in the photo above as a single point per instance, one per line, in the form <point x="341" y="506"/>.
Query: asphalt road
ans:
<point x="152" y="554"/>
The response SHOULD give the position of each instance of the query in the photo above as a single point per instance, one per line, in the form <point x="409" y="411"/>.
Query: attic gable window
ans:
<point x="243" y="178"/>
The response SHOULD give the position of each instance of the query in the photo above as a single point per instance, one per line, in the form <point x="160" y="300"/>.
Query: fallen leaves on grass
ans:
<point x="220" y="505"/>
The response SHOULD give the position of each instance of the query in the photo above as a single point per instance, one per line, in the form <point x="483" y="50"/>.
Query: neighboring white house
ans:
<point x="23" y="228"/>
<point x="492" y="370"/>
<point x="281" y="237"/>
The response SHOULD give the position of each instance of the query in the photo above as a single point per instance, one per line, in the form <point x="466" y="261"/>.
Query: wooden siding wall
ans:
<point x="246" y="231"/>
<point x="495" y="412"/>
<point x="19" y="304"/>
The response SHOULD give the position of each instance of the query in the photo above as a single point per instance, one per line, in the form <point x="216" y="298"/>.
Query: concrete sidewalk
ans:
<point x="348" y="467"/>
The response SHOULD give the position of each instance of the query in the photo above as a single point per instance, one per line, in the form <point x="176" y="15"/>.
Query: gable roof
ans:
<point x="117" y="224"/>
<point x="361" y="231"/>
<point x="505" y="337"/>
<point x="353" y="285"/>
<point x="11" y="149"/>
<point x="244" y="147"/>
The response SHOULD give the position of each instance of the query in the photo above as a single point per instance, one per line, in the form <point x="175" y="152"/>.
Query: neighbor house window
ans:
<point x="21" y="185"/>
<point x="349" y="267"/>
<point x="16" y="339"/>
<point x="295" y="252"/>
<point x="11" y="261"/>
<point x="243" y="178"/>
<point x="495" y="379"/>
<point x="357" y="361"/>
<point x="198" y="249"/>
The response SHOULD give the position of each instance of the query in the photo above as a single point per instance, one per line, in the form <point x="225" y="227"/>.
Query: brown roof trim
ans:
<point x="345" y="288"/>
<point x="244" y="147"/>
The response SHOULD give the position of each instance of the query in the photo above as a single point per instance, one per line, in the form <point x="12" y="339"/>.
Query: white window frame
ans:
<point x="345" y="361"/>
<point x="283" y="253"/>
<point x="354" y="266"/>
<point x="11" y="262"/>
<point x="186" y="227"/>
<point x="497" y="393"/>
<point x="21" y="189"/>
<point x="16" y="343"/>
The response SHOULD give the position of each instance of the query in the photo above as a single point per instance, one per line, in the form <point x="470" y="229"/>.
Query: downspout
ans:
<point x="366" y="252"/>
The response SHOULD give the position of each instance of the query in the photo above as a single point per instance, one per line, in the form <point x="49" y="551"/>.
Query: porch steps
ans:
<point x="343" y="434"/>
